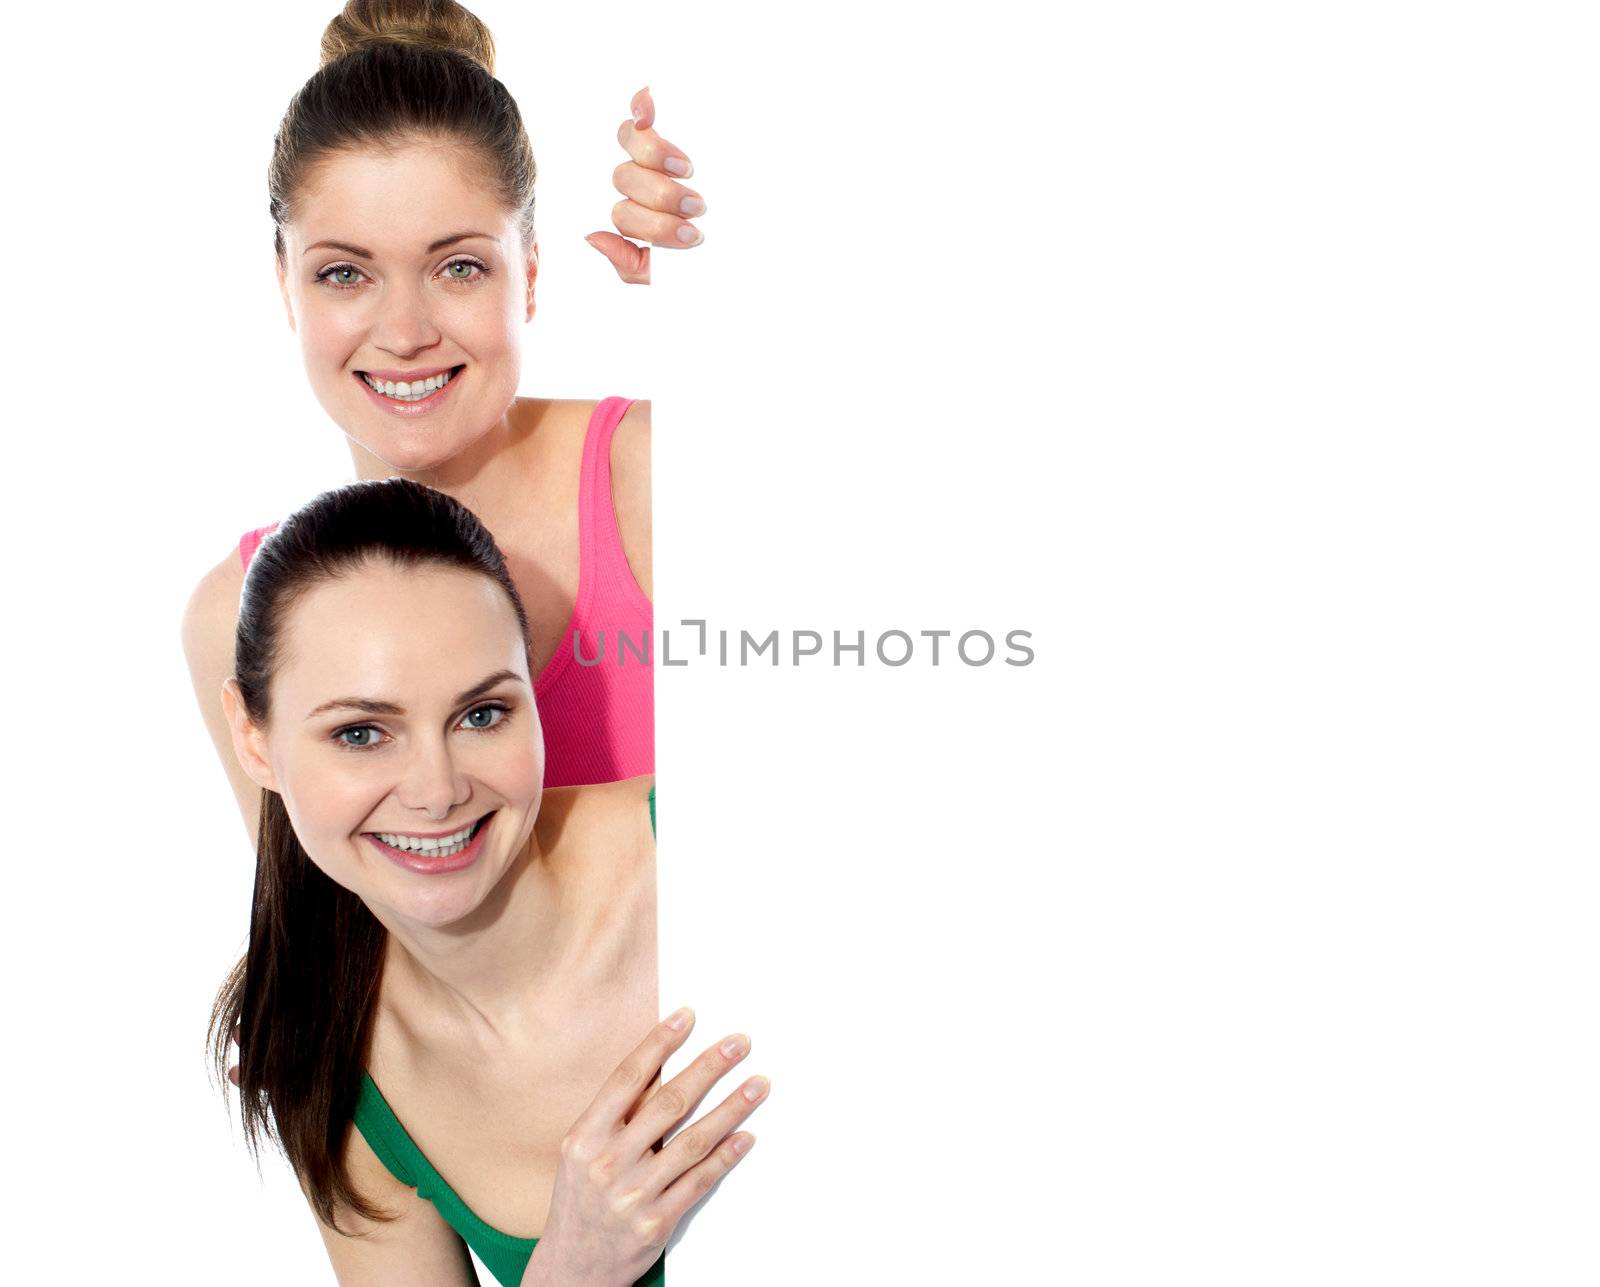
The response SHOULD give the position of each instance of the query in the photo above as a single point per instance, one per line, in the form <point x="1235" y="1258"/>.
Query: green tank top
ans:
<point x="504" y="1255"/>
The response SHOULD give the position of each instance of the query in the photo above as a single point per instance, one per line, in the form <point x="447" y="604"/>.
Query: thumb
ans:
<point x="631" y="261"/>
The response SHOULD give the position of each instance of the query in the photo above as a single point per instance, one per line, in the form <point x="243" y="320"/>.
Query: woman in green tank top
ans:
<point x="451" y="971"/>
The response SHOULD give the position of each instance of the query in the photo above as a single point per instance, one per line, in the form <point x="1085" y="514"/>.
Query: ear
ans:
<point x="283" y="289"/>
<point x="533" y="272"/>
<point x="249" y="742"/>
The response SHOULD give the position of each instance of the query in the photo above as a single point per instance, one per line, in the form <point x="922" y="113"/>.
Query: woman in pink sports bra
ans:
<point x="401" y="185"/>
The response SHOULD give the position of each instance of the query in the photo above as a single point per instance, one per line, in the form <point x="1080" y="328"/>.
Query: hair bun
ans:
<point x="444" y="24"/>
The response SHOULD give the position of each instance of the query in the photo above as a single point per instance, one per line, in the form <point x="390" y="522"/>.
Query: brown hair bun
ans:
<point x="443" y="24"/>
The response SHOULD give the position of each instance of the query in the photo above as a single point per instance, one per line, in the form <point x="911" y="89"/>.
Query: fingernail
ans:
<point x="692" y="207"/>
<point x="734" y="1046"/>
<point x="678" y="1020"/>
<point x="742" y="1143"/>
<point x="678" y="166"/>
<point x="689" y="235"/>
<point x="638" y="115"/>
<point x="755" y="1088"/>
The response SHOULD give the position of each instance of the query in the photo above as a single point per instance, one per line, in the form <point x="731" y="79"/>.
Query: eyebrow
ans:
<point x="361" y="252"/>
<point x="455" y="237"/>
<point x="373" y="706"/>
<point x="358" y="251"/>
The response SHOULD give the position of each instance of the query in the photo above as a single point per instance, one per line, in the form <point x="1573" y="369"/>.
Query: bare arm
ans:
<point x="630" y="490"/>
<point x="415" y="1249"/>
<point x="208" y="629"/>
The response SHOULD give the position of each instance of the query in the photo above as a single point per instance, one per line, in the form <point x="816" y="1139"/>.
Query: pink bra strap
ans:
<point x="603" y="564"/>
<point x="250" y="542"/>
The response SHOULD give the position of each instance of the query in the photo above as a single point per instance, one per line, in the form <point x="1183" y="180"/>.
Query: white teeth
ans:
<point x="433" y="846"/>
<point x="409" y="391"/>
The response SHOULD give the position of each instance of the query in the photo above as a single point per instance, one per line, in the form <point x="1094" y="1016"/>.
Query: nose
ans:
<point x="432" y="784"/>
<point x="404" y="324"/>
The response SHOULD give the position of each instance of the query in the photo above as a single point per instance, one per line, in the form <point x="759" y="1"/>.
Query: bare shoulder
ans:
<point x="209" y="624"/>
<point x="630" y="443"/>
<point x="636" y="419"/>
<point x="562" y="425"/>
<point x="212" y="613"/>
<point x="547" y="419"/>
<point x="414" y="1249"/>
<point x="549" y="434"/>
<point x="613" y="818"/>
<point x="630" y="489"/>
<point x="621" y="804"/>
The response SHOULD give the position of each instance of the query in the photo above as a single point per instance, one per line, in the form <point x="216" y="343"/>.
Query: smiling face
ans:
<point x="407" y="280"/>
<point x="403" y="737"/>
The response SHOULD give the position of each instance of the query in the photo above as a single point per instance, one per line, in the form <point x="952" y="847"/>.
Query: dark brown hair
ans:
<point x="396" y="69"/>
<point x="305" y="991"/>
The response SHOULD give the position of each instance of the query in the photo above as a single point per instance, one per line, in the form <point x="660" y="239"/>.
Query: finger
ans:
<point x="633" y="1074"/>
<point x="643" y="224"/>
<point x="656" y="191"/>
<point x="701" y="1179"/>
<point x="643" y="108"/>
<point x="653" y="152"/>
<point x="631" y="261"/>
<point x="694" y="1142"/>
<point x="233" y="1074"/>
<point x="678" y="1098"/>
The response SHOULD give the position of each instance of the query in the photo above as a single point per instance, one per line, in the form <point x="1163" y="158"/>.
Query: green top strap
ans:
<point x="504" y="1255"/>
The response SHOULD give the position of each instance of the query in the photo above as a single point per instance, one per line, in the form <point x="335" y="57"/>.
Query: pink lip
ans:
<point x="421" y="863"/>
<point x="419" y="408"/>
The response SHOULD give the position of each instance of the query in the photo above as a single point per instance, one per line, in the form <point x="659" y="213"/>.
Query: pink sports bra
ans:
<point x="596" y="695"/>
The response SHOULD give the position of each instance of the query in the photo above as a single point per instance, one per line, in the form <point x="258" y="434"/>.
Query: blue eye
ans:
<point x="464" y="270"/>
<point x="358" y="737"/>
<point x="484" y="716"/>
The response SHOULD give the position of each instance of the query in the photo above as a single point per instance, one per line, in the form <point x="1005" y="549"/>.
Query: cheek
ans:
<point x="327" y="337"/>
<point x="488" y="326"/>
<point x="515" y="771"/>
<point x="327" y="808"/>
<point x="525" y="778"/>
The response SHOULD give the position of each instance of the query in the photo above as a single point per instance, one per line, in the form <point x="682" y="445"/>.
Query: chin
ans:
<point x="442" y="912"/>
<point x="438" y="902"/>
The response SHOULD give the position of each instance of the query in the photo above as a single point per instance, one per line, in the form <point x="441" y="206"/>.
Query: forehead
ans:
<point x="414" y="636"/>
<point x="400" y="196"/>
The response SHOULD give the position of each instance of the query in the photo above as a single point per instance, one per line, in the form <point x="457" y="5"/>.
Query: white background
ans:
<point x="1243" y="353"/>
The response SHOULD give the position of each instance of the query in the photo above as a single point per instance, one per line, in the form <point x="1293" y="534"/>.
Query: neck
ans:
<point x="484" y="477"/>
<point x="486" y="970"/>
